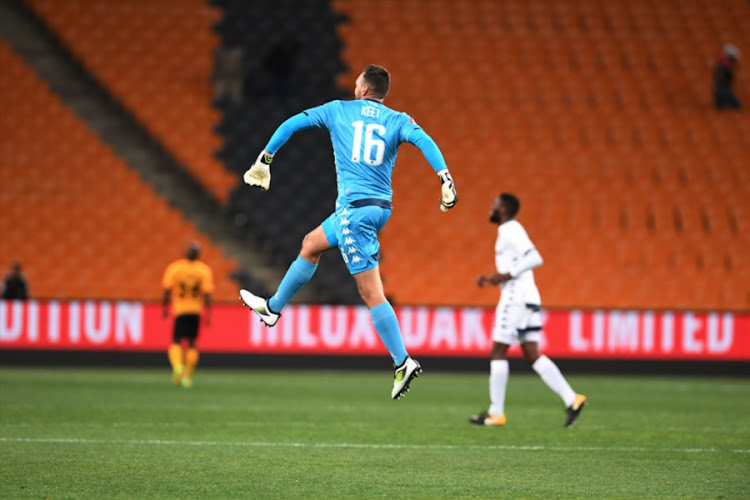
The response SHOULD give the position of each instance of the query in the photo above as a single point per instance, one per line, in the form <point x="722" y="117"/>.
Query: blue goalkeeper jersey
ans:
<point x="365" y="135"/>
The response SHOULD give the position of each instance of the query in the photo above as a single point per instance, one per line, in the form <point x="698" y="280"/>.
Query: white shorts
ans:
<point x="517" y="322"/>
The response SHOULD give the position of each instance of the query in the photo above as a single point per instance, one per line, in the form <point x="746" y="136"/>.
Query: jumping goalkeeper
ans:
<point x="365" y="135"/>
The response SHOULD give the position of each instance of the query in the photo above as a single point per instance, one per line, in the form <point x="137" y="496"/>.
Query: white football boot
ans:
<point x="403" y="376"/>
<point x="260" y="306"/>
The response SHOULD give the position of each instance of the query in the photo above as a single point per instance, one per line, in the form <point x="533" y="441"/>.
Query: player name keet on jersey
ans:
<point x="370" y="112"/>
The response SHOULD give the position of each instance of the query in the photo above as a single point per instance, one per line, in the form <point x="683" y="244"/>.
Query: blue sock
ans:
<point x="386" y="324"/>
<point x="297" y="276"/>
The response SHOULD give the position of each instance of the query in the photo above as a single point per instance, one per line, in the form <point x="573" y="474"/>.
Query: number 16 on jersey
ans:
<point x="373" y="143"/>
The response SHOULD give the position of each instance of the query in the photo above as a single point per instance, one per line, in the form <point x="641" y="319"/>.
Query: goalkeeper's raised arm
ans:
<point x="260" y="173"/>
<point x="435" y="158"/>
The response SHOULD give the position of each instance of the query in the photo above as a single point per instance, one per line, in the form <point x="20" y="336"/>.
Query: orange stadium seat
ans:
<point x="81" y="223"/>
<point x="156" y="59"/>
<point x="598" y="115"/>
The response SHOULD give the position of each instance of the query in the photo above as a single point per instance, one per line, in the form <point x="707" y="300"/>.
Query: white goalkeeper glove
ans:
<point x="260" y="173"/>
<point x="449" y="196"/>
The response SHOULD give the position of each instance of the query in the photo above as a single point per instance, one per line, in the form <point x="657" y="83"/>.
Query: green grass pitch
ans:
<point x="127" y="433"/>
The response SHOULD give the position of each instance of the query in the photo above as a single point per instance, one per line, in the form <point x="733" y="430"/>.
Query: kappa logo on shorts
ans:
<point x="345" y="231"/>
<point x="352" y="250"/>
<point x="344" y="222"/>
<point x="349" y="241"/>
<point x="356" y="259"/>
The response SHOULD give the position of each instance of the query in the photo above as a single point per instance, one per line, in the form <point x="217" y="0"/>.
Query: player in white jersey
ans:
<point x="365" y="135"/>
<point x="517" y="317"/>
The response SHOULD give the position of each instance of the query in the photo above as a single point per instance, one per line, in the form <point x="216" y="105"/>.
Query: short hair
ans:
<point x="193" y="250"/>
<point x="511" y="204"/>
<point x="378" y="79"/>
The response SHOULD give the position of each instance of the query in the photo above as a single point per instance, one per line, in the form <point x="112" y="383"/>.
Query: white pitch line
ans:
<point x="372" y="446"/>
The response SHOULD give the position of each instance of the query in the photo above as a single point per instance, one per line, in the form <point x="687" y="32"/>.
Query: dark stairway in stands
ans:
<point x="303" y="184"/>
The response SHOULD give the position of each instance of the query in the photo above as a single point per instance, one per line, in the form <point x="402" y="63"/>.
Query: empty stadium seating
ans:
<point x="598" y="115"/>
<point x="156" y="58"/>
<point x="81" y="222"/>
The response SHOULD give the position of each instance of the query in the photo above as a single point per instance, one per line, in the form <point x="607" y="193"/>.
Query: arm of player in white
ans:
<point x="531" y="259"/>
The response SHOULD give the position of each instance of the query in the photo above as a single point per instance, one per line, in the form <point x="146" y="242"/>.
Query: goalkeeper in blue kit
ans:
<point x="365" y="135"/>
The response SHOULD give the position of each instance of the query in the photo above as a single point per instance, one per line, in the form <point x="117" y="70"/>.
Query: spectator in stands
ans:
<point x="279" y="65"/>
<point x="188" y="284"/>
<point x="365" y="135"/>
<point x="517" y="317"/>
<point x="724" y="70"/>
<point x="229" y="72"/>
<point x="14" y="286"/>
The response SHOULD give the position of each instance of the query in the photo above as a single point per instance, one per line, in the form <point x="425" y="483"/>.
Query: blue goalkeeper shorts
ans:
<point x="353" y="228"/>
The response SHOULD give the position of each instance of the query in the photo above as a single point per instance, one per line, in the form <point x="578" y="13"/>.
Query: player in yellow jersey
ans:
<point x="188" y="284"/>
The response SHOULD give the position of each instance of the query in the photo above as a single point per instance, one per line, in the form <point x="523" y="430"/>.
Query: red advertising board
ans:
<point x="348" y="330"/>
